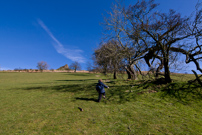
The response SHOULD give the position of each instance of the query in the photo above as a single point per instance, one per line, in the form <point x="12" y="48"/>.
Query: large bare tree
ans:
<point x="109" y="56"/>
<point x="193" y="48"/>
<point x="123" y="31"/>
<point x="154" y="36"/>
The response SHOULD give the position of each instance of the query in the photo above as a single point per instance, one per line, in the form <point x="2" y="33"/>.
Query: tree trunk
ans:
<point x="167" y="71"/>
<point x="115" y="75"/>
<point x="105" y="70"/>
<point x="159" y="68"/>
<point x="131" y="72"/>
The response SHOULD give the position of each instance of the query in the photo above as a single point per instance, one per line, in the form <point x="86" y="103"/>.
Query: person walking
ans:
<point x="100" y="89"/>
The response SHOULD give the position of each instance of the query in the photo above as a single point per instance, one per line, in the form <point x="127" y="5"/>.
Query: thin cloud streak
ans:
<point x="4" y="68"/>
<point x="74" y="55"/>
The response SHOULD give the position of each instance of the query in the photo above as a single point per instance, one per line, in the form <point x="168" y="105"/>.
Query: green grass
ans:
<point x="47" y="103"/>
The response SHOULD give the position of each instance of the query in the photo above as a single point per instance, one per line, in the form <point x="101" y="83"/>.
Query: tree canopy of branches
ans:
<point x="42" y="65"/>
<point x="109" y="57"/>
<point x="146" y="34"/>
<point x="75" y="66"/>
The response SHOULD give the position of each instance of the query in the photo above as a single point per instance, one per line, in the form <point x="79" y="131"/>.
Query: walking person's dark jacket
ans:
<point x="101" y="86"/>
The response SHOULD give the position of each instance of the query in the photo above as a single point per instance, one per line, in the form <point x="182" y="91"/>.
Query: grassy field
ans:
<point x="48" y="103"/>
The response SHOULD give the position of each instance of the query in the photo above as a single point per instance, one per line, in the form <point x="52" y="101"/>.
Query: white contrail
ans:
<point x="74" y="55"/>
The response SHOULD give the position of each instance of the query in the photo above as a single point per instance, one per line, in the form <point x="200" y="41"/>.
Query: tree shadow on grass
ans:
<point x="117" y="93"/>
<point x="87" y="92"/>
<point x="78" y="74"/>
<point x="84" y="80"/>
<point x="179" y="91"/>
<point x="87" y="99"/>
<point x="80" y="91"/>
<point x="182" y="92"/>
<point x="120" y="94"/>
<point x="76" y="88"/>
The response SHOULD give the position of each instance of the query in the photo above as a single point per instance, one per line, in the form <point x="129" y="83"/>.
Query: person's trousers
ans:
<point x="100" y="96"/>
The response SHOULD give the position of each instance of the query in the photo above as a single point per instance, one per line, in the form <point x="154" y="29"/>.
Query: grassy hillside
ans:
<point x="48" y="103"/>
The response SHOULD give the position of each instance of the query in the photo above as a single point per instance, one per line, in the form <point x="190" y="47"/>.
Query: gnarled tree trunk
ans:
<point x="159" y="68"/>
<point x="131" y="72"/>
<point x="167" y="71"/>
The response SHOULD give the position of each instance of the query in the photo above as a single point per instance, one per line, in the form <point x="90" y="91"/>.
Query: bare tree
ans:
<point x="193" y="51"/>
<point x="154" y="32"/>
<point x="154" y="36"/>
<point x="42" y="66"/>
<point x="123" y="31"/>
<point x="75" y="66"/>
<point x="109" y="57"/>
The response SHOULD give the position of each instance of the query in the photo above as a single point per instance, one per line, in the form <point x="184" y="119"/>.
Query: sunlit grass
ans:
<point x="47" y="103"/>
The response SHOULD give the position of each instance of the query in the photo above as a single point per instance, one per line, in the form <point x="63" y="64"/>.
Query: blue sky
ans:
<point x="58" y="31"/>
